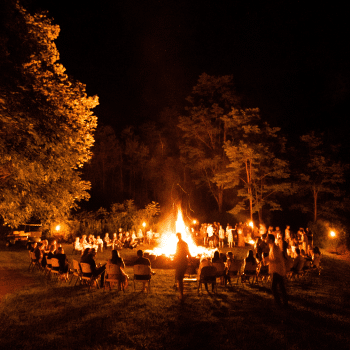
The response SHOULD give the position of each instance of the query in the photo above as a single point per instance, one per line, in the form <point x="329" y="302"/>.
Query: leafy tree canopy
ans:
<point x="321" y="177"/>
<point x="46" y="121"/>
<point x="256" y="163"/>
<point x="205" y="129"/>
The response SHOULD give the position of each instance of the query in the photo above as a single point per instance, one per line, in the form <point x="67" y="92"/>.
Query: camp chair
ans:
<point x="34" y="262"/>
<point x="89" y="279"/>
<point x="76" y="272"/>
<point x="55" y="270"/>
<point x="112" y="269"/>
<point x="190" y="274"/>
<point x="207" y="275"/>
<point x="47" y="268"/>
<point x="142" y="273"/>
<point x="248" y="272"/>
<point x="220" y="271"/>
<point x="235" y="270"/>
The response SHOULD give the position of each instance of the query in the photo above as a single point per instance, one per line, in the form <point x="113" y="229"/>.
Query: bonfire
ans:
<point x="168" y="241"/>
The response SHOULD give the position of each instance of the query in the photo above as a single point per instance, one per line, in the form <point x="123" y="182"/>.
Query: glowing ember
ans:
<point x="168" y="240"/>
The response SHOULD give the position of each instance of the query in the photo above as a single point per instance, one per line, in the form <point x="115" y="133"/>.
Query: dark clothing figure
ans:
<point x="38" y="254"/>
<point x="278" y="281"/>
<point x="277" y="270"/>
<point x="49" y="256"/>
<point x="142" y="261"/>
<point x="181" y="260"/>
<point x="250" y="259"/>
<point x="116" y="259"/>
<point x="63" y="262"/>
<point x="96" y="271"/>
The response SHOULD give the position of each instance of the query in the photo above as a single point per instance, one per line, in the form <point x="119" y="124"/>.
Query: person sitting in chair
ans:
<point x="298" y="261"/>
<point x="99" y="243"/>
<point x="50" y="255"/>
<point x="90" y="259"/>
<point x="38" y="252"/>
<point x="205" y="261"/>
<point x="219" y="260"/>
<point x="117" y="260"/>
<point x="107" y="241"/>
<point x="63" y="262"/>
<point x="141" y="260"/>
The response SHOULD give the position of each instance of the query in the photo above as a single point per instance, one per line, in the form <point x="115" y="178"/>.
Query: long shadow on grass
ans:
<point x="242" y="317"/>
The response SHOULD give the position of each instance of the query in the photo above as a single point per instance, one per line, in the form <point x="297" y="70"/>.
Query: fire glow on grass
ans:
<point x="168" y="240"/>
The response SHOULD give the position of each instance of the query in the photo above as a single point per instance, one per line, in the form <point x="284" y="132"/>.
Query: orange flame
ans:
<point x="168" y="240"/>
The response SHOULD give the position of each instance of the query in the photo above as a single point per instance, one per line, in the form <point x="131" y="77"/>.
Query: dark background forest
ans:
<point x="192" y="94"/>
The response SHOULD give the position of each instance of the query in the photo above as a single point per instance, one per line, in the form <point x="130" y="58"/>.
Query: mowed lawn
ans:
<point x="49" y="315"/>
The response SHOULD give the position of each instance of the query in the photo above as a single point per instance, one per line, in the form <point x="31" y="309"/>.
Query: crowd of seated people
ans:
<point x="298" y="251"/>
<point x="297" y="248"/>
<point x="44" y="252"/>
<point x="121" y="276"/>
<point x="218" y="259"/>
<point x="117" y="241"/>
<point x="41" y="250"/>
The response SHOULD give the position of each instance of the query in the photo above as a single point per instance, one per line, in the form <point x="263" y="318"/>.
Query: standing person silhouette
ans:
<point x="277" y="270"/>
<point x="181" y="259"/>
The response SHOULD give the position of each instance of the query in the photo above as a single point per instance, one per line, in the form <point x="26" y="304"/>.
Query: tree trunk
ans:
<point x="103" y="174"/>
<point x="315" y="205"/>
<point x="248" y="166"/>
<point x="220" y="198"/>
<point x="251" y="205"/>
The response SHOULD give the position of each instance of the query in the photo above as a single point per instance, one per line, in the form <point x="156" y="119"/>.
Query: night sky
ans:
<point x="289" y="58"/>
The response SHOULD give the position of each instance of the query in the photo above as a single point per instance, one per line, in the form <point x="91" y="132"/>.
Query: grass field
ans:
<point x="50" y="315"/>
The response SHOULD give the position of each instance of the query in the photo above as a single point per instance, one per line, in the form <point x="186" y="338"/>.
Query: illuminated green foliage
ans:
<point x="46" y="122"/>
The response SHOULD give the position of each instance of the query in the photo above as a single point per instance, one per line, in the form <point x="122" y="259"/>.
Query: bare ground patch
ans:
<point x="12" y="280"/>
